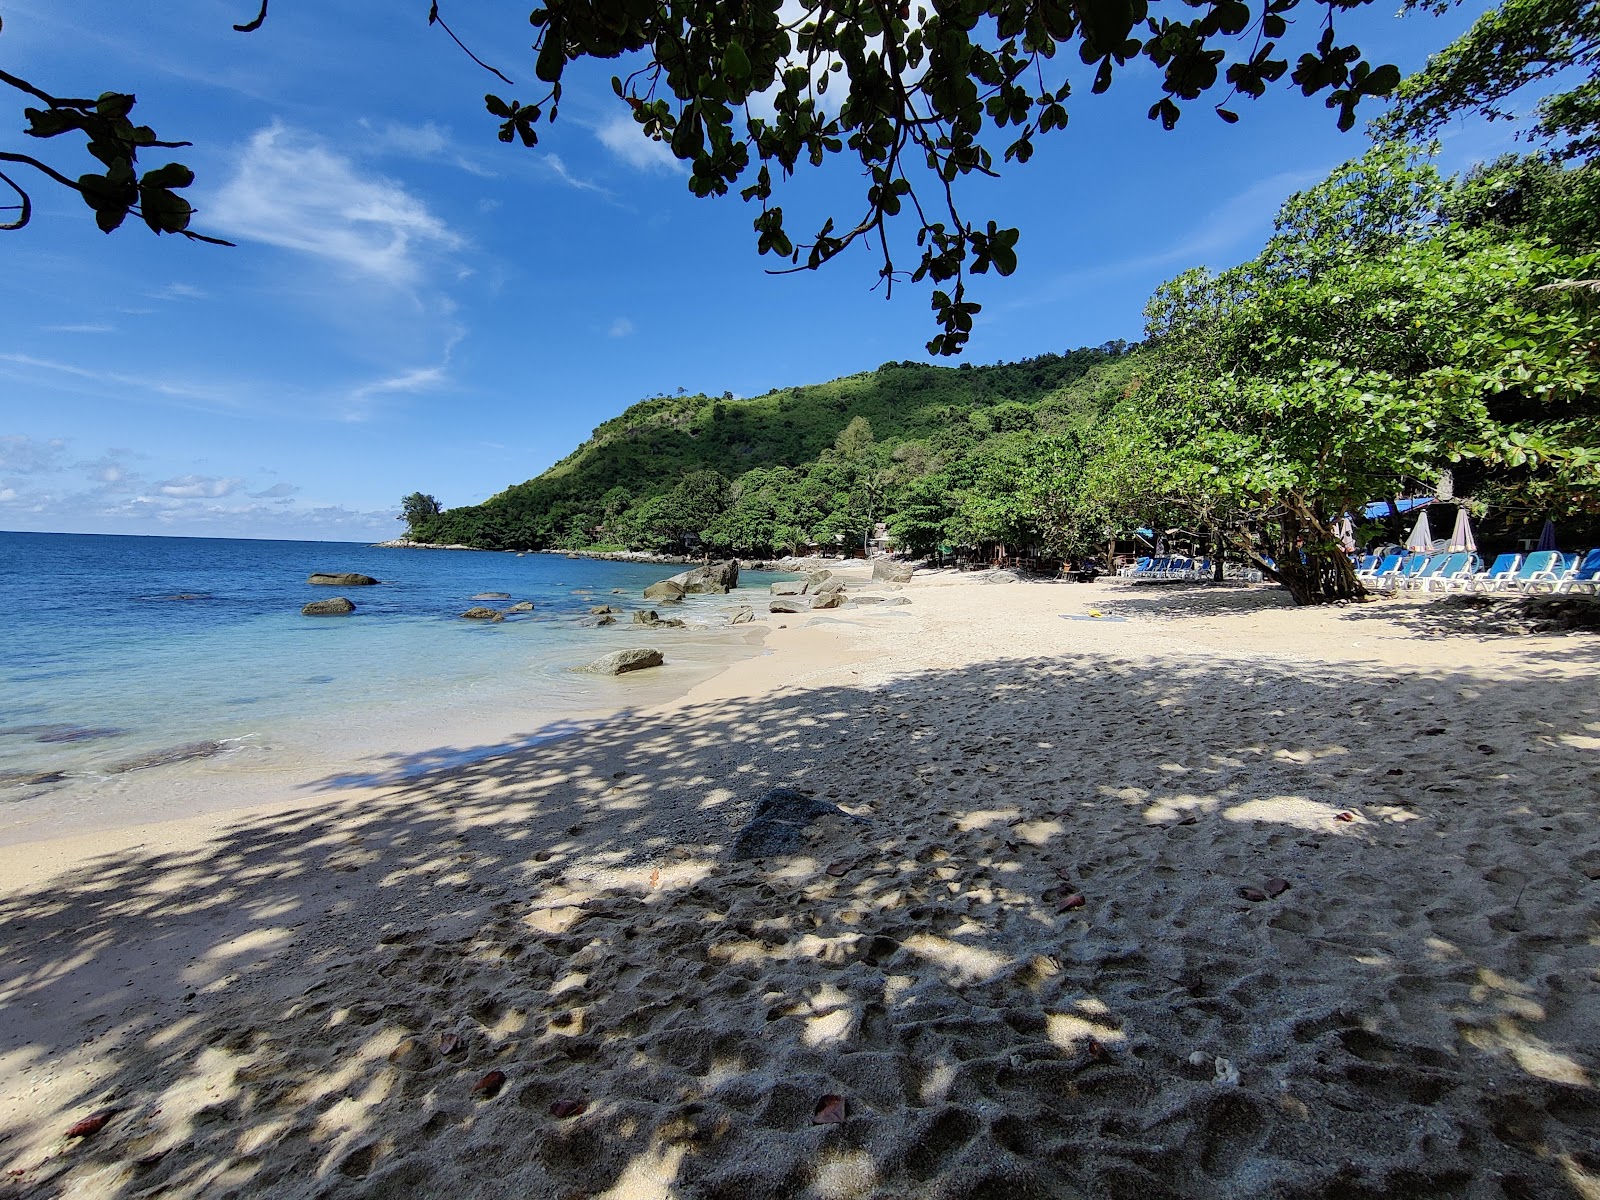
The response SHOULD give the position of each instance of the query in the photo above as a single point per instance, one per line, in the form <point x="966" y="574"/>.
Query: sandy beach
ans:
<point x="1073" y="891"/>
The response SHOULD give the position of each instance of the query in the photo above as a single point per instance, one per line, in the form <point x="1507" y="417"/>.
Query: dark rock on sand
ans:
<point x="790" y="604"/>
<point x="484" y="614"/>
<point x="621" y="661"/>
<point x="886" y="570"/>
<point x="339" y="606"/>
<point x="340" y="579"/>
<point x="828" y="600"/>
<point x="493" y="596"/>
<point x="780" y="821"/>
<point x="161" y="758"/>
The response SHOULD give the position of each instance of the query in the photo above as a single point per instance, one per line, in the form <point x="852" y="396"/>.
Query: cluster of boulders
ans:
<point x="714" y="579"/>
<point x="818" y="590"/>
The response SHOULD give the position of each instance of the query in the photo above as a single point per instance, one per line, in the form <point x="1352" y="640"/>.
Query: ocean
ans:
<point x="152" y="677"/>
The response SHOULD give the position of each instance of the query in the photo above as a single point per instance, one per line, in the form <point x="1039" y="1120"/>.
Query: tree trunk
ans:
<point x="1313" y="566"/>
<point x="1310" y="563"/>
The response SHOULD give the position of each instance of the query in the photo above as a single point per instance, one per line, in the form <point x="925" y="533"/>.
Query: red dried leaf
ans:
<point x="1076" y="900"/>
<point x="655" y="878"/>
<point x="830" y="1110"/>
<point x="1347" y="815"/>
<point x="489" y="1086"/>
<point x="93" y="1123"/>
<point x="562" y="1109"/>
<point x="451" y="1043"/>
<point x="1275" y="887"/>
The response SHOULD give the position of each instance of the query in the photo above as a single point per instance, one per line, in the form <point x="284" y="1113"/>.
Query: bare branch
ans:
<point x="22" y="85"/>
<point x="25" y="160"/>
<point x="252" y="26"/>
<point x="435" y="19"/>
<point x="25" y="207"/>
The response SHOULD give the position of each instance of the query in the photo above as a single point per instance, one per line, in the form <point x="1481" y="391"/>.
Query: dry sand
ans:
<point x="1029" y="971"/>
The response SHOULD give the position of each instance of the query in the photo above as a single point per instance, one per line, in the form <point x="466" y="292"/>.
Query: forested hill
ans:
<point x="668" y="466"/>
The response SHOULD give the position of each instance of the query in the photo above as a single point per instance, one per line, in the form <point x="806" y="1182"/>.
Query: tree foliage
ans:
<point x="919" y="96"/>
<point x="1522" y="44"/>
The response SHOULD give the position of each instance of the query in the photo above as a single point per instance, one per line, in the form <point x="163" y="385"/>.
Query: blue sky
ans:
<point x="413" y="305"/>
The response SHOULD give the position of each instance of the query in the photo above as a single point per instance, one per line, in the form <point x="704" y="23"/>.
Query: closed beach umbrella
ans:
<point x="1461" y="537"/>
<point x="1422" y="536"/>
<point x="1547" y="536"/>
<point x="1345" y="531"/>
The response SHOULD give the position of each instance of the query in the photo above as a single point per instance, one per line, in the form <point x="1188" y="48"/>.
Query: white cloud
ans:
<point x="624" y="137"/>
<point x="294" y="192"/>
<point x="179" y="291"/>
<point x="277" y="491"/>
<point x="621" y="327"/>
<point x="558" y="168"/>
<point x="198" y="487"/>
<point x="77" y="328"/>
<point x="425" y="141"/>
<point x="23" y="455"/>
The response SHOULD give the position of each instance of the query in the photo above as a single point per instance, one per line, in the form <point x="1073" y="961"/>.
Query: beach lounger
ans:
<point x="1583" y="577"/>
<point x="1502" y="569"/>
<point x="1408" y="570"/>
<point x="1539" y="564"/>
<point x="1453" y="574"/>
<point x="1388" y="564"/>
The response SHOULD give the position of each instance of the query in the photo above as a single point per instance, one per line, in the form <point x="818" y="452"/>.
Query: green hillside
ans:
<point x="626" y="485"/>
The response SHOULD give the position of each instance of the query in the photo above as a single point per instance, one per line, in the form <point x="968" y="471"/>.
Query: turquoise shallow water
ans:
<point x="103" y="665"/>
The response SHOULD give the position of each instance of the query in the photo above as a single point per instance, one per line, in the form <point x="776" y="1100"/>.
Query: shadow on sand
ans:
<point x="303" y="1006"/>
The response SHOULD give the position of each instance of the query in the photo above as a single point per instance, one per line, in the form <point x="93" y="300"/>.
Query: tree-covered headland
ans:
<point x="1399" y="333"/>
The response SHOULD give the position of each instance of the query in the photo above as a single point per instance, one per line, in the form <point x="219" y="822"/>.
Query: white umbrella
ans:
<point x="1345" y="532"/>
<point x="1421" y="538"/>
<point x="1461" y="537"/>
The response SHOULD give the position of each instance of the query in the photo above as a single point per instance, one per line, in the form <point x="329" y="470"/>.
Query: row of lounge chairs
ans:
<point x="1176" y="567"/>
<point x="1452" y="571"/>
<point x="1458" y="571"/>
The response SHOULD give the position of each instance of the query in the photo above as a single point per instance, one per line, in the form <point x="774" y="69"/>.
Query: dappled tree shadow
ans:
<point x="303" y="1006"/>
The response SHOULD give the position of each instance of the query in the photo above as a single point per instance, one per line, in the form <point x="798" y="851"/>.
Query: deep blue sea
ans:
<point x="116" y="650"/>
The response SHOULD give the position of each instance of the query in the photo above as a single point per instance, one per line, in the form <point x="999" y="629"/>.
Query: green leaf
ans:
<point x="173" y="175"/>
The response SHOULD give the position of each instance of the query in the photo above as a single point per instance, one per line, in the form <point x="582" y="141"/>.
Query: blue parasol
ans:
<point x="1547" y="536"/>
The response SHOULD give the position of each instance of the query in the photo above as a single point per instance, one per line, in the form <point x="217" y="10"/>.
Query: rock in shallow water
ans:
<point x="337" y="607"/>
<point x="622" y="661"/>
<point x="521" y="606"/>
<point x="484" y="614"/>
<point x="493" y="596"/>
<point x="340" y="579"/>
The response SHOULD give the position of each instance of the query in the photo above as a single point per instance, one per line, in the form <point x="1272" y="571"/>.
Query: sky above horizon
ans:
<point x="414" y="306"/>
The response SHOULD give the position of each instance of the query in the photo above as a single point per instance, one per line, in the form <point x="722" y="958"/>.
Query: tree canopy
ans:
<point x="918" y="96"/>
